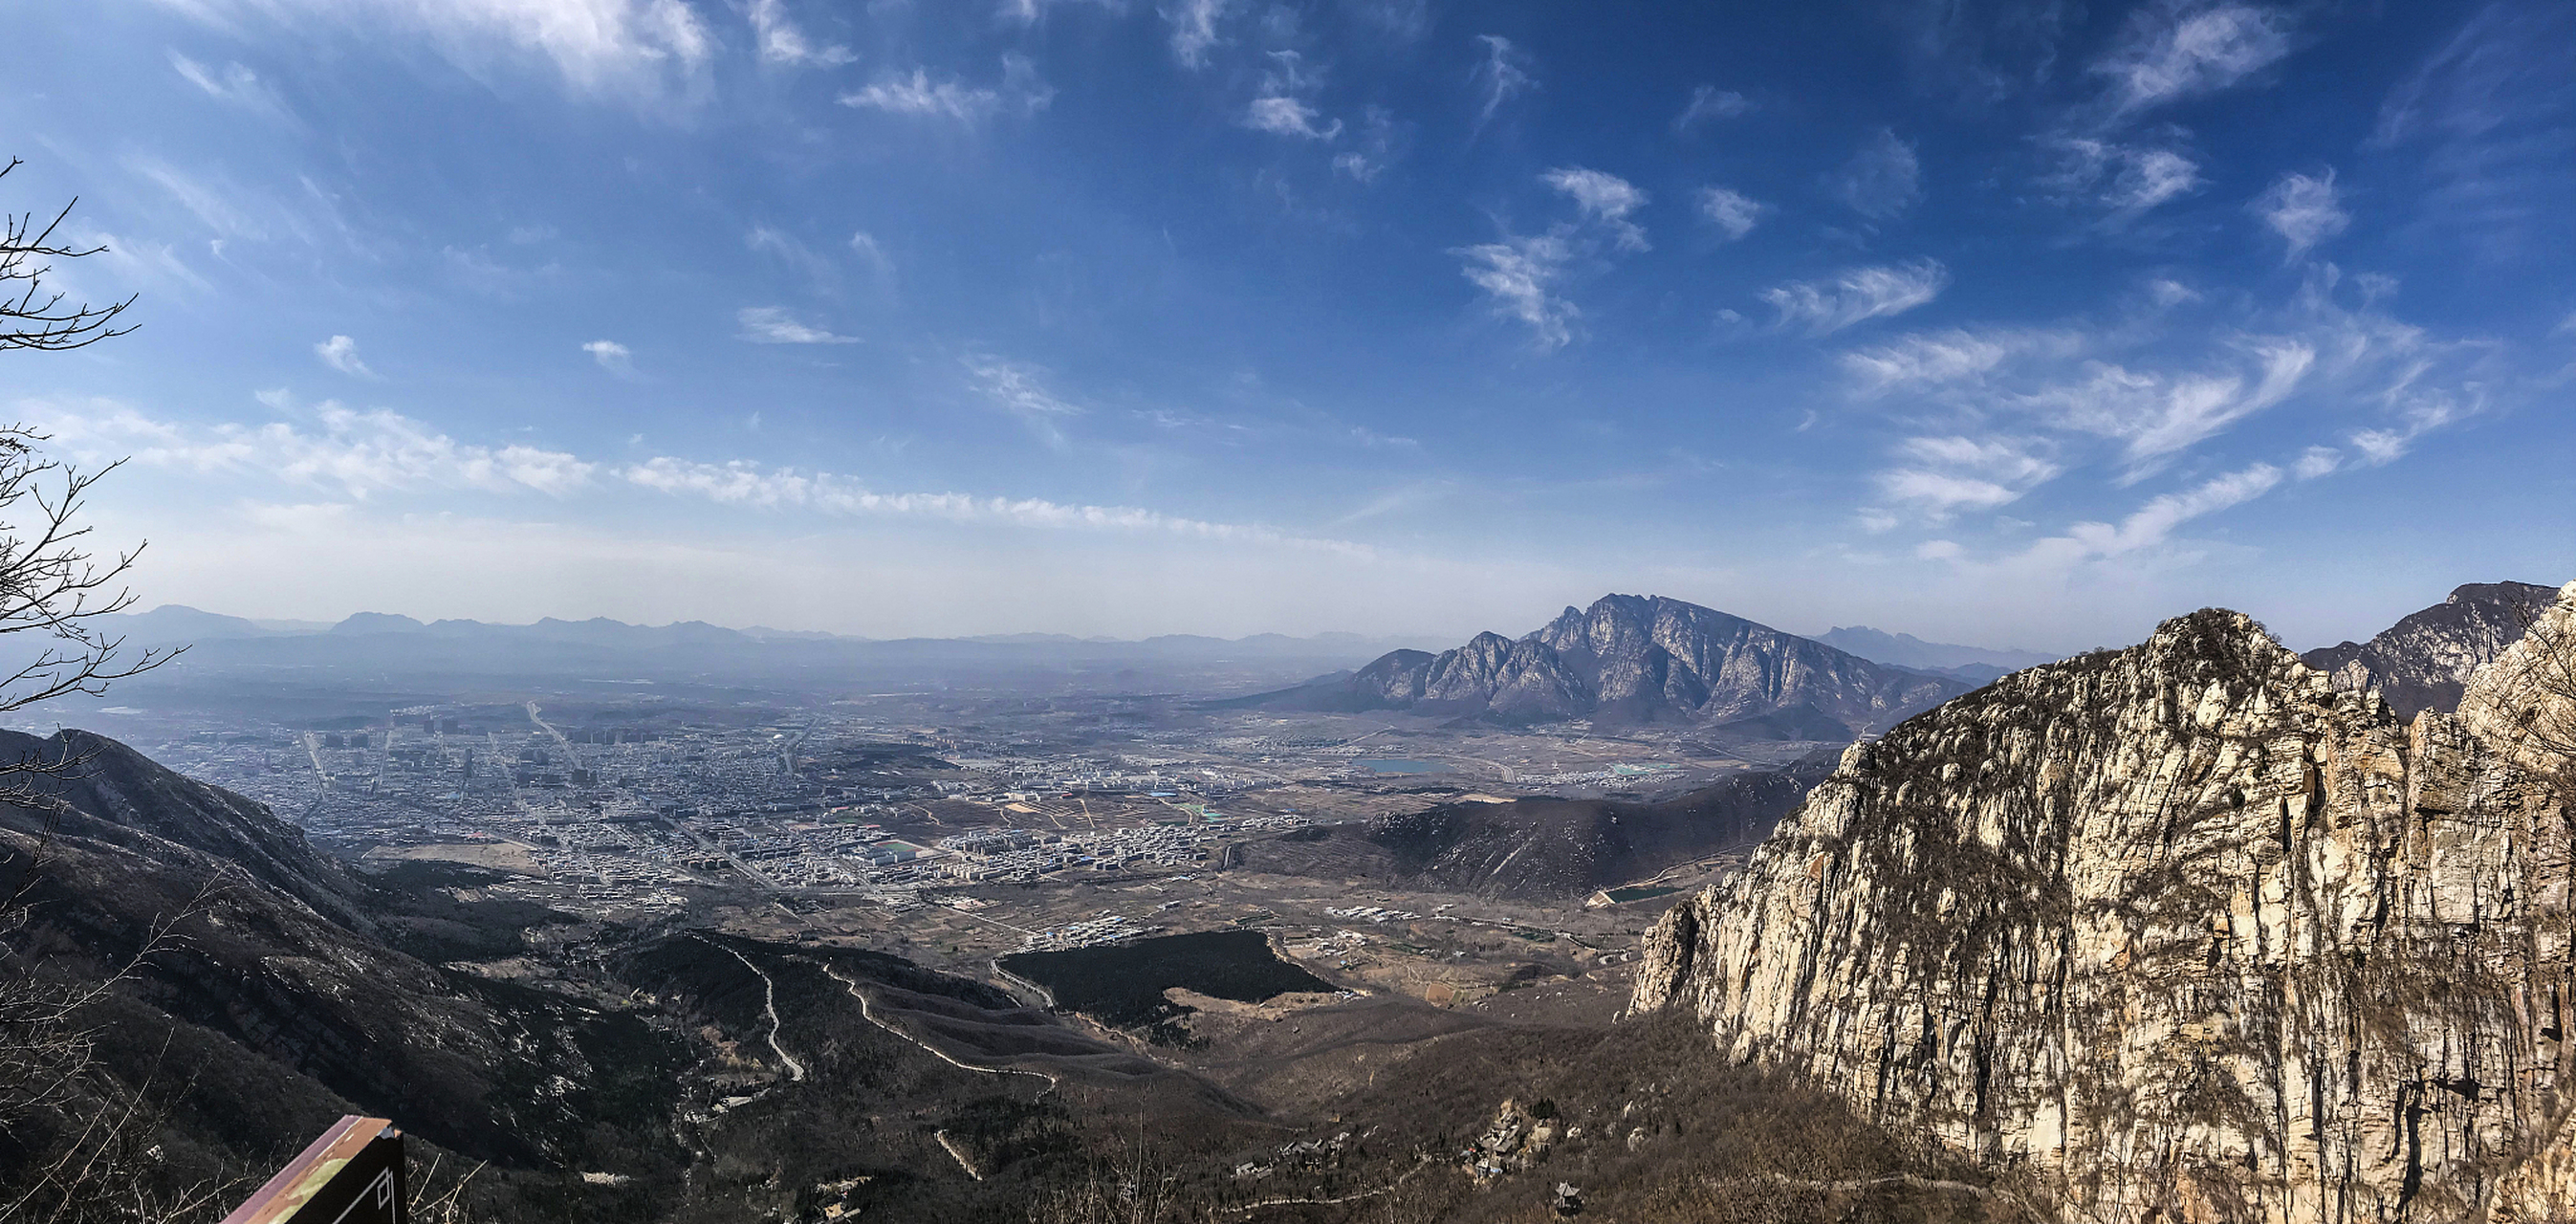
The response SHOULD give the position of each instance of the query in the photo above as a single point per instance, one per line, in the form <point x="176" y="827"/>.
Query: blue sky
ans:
<point x="2008" y="323"/>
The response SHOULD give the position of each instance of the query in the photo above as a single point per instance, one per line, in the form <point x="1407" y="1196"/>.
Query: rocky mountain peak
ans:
<point x="1632" y="659"/>
<point x="2183" y="929"/>
<point x="2422" y="661"/>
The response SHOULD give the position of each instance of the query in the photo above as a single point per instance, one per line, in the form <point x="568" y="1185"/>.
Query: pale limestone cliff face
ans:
<point x="2181" y="931"/>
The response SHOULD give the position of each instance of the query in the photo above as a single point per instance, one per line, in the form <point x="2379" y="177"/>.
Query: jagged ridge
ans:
<point x="1632" y="659"/>
<point x="2182" y="929"/>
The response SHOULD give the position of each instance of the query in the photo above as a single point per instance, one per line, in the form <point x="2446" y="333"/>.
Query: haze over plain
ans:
<point x="2012" y="327"/>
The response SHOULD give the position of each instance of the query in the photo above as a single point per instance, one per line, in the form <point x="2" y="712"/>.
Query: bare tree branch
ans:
<point x="32" y="317"/>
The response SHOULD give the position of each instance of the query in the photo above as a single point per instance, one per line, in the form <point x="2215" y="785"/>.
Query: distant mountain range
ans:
<point x="229" y="652"/>
<point x="1631" y="659"/>
<point x="1975" y="664"/>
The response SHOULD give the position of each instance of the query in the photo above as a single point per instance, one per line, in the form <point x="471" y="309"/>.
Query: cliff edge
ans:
<point x="2182" y="931"/>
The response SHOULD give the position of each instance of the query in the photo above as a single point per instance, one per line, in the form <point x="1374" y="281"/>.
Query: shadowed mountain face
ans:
<point x="1544" y="849"/>
<point x="1632" y="659"/>
<point x="2423" y="661"/>
<point x="271" y="991"/>
<point x="112" y="795"/>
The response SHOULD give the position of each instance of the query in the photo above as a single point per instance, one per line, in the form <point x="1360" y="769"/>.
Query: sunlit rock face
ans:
<point x="2180" y="931"/>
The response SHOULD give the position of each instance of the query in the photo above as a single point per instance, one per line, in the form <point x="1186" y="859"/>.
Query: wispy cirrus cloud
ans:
<point x="1940" y="475"/>
<point x="2154" y="522"/>
<point x="1708" y="104"/>
<point x="918" y="95"/>
<point x="1520" y="276"/>
<point x="776" y="325"/>
<point x="1283" y="108"/>
<point x="2172" y="52"/>
<point x="783" y="43"/>
<point x="1606" y="199"/>
<point x="1947" y="358"/>
<point x="1380" y="143"/>
<point x="1523" y="276"/>
<point x="2122" y="180"/>
<point x="1194" y="29"/>
<point x="1882" y="179"/>
<point x="2303" y="209"/>
<point x="341" y="353"/>
<point x="1503" y="74"/>
<point x="613" y="357"/>
<point x="638" y="48"/>
<point x="1860" y="294"/>
<point x="234" y="84"/>
<point x="1732" y="212"/>
<point x="1020" y="389"/>
<point x="367" y="455"/>
<point x="354" y="453"/>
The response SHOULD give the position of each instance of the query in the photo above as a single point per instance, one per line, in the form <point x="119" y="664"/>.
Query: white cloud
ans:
<point x="1858" y="295"/>
<point x="2303" y="210"/>
<point x="872" y="253"/>
<point x="2151" y="524"/>
<point x="1520" y="276"/>
<point x="232" y="84"/>
<point x="341" y="353"/>
<point x="1194" y="25"/>
<point x="774" y="325"/>
<point x="2152" y="178"/>
<point x="781" y="42"/>
<point x="1881" y="180"/>
<point x="2157" y="414"/>
<point x="1501" y="76"/>
<point x="792" y="252"/>
<point x="613" y="357"/>
<point x="1943" y="475"/>
<point x="1030" y="12"/>
<point x="2171" y="53"/>
<point x="1708" y="102"/>
<point x="918" y="96"/>
<point x="635" y="47"/>
<point x="1020" y="389"/>
<point x="2317" y="461"/>
<point x="1403" y="21"/>
<point x="1286" y="116"/>
<point x="1282" y="108"/>
<point x="1605" y="198"/>
<point x="2125" y="180"/>
<point x="743" y="483"/>
<point x="359" y="454"/>
<point x="1940" y="358"/>
<point x="1380" y="144"/>
<point x="1731" y="211"/>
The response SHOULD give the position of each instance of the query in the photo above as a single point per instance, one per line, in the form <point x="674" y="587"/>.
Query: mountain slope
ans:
<point x="270" y="992"/>
<point x="2422" y="661"/>
<point x="2182" y="929"/>
<point x="1631" y="659"/>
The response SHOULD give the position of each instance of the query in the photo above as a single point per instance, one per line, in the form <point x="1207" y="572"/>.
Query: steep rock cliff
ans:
<point x="2183" y="931"/>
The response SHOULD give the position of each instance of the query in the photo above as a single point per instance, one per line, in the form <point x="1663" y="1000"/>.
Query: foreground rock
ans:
<point x="2183" y="931"/>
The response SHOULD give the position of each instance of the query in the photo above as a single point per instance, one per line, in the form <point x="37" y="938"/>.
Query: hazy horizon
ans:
<point x="2005" y="326"/>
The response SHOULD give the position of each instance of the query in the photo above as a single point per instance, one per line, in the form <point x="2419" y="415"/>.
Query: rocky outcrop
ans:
<point x="2182" y="932"/>
<point x="2423" y="661"/>
<point x="1632" y="659"/>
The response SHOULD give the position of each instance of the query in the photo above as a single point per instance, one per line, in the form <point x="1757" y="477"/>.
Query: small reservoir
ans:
<point x="1123" y="984"/>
